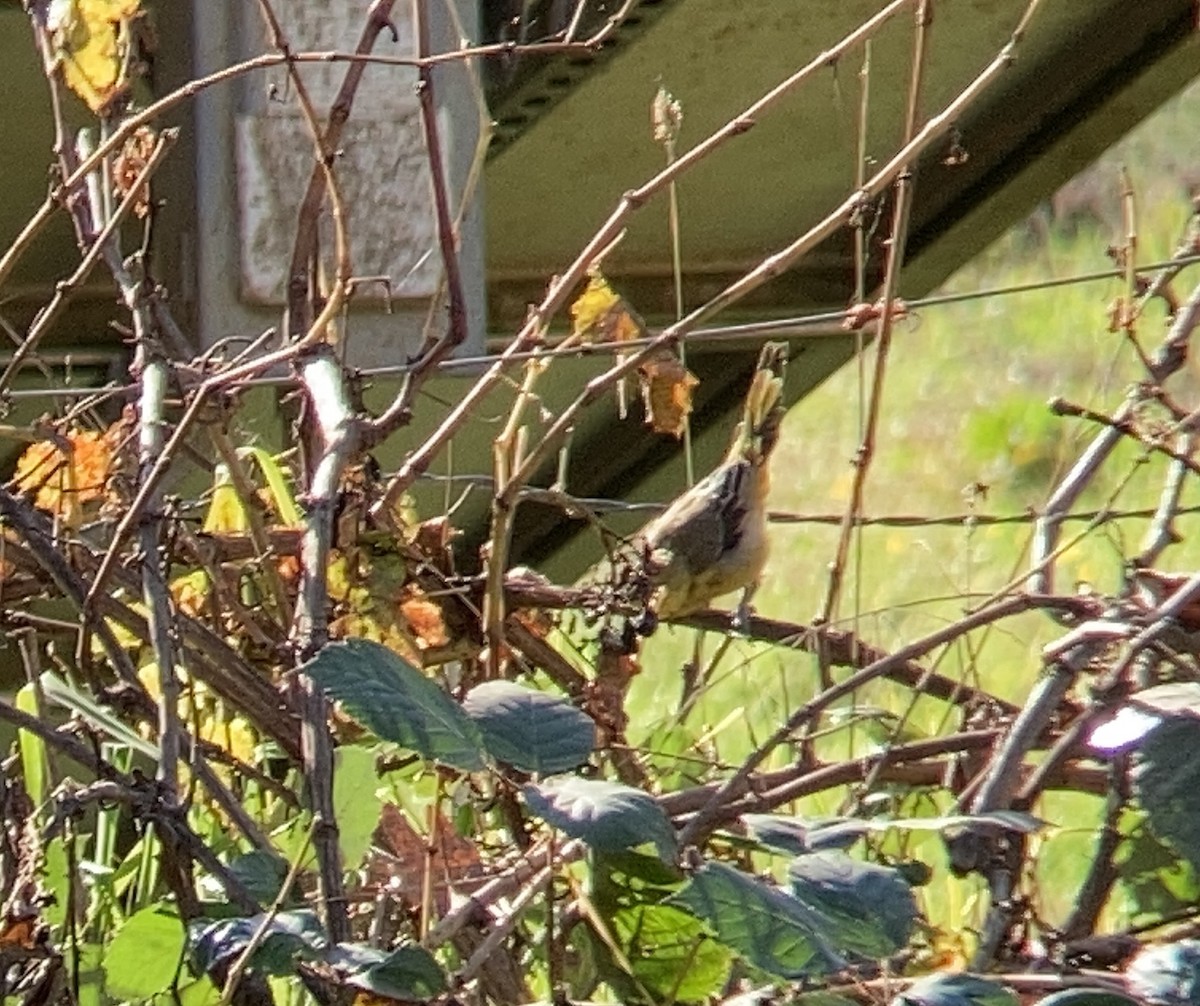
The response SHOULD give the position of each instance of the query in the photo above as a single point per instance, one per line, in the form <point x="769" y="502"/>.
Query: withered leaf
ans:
<point x="130" y="163"/>
<point x="667" y="392"/>
<point x="424" y="618"/>
<point x="453" y="858"/>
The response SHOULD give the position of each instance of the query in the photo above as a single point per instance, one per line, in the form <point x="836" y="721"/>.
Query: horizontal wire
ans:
<point x="600" y="505"/>
<point x="969" y="519"/>
<point x="816" y="325"/>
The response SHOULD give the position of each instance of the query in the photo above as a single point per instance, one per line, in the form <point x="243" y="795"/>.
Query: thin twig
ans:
<point x="768" y="269"/>
<point x="266" y="61"/>
<point x="883" y="331"/>
<point x="418" y="462"/>
<point x="501" y="928"/>
<point x="507" y="452"/>
<point x="322" y="180"/>
<point x="239" y="967"/>
<point x="1161" y="533"/>
<point x="66" y="288"/>
<point x="456" y="332"/>
<point x="1125" y="425"/>
<point x="503" y="885"/>
<point x="700" y="825"/>
<point x="1103" y="872"/>
<point x="1170" y="356"/>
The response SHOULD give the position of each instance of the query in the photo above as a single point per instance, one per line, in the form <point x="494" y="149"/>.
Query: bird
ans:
<point x="712" y="540"/>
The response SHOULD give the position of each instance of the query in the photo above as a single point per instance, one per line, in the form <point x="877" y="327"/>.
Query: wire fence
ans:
<point x="831" y="324"/>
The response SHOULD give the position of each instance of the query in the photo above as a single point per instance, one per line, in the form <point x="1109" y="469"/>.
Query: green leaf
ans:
<point x="65" y="694"/>
<point x="955" y="990"/>
<point x="768" y="927"/>
<point x="410" y="973"/>
<point x="289" y="935"/>
<point x="1167" y="783"/>
<point x="34" y="766"/>
<point x="820" y="998"/>
<point x="277" y="484"/>
<point x="869" y="909"/>
<point x="1155" y="882"/>
<point x="56" y="876"/>
<point x="1180" y="698"/>
<point x="355" y="801"/>
<point x="262" y="874"/>
<point x="197" y="992"/>
<point x="145" y="955"/>
<point x="530" y="730"/>
<point x="1086" y="997"/>
<point x="992" y="823"/>
<point x="397" y="702"/>
<point x="669" y="952"/>
<point x="606" y="815"/>
<point x="672" y="956"/>
<point x="627" y="874"/>
<point x="795" y="837"/>
<point x="1167" y="975"/>
<point x="86" y="958"/>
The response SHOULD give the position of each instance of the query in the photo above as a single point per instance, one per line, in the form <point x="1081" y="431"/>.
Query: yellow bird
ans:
<point x="713" y="539"/>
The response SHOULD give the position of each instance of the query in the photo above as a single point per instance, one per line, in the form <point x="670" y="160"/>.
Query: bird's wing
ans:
<point x="704" y="524"/>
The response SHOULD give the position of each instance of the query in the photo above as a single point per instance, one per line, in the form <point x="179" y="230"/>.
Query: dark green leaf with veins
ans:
<point x="606" y="815"/>
<point x="530" y="730"/>
<point x="397" y="703"/>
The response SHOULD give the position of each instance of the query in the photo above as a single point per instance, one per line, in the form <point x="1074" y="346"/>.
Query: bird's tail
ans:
<point x="756" y="434"/>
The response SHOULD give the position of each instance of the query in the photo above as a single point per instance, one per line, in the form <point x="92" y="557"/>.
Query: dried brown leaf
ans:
<point x="424" y="619"/>
<point x="667" y="393"/>
<point x="130" y="163"/>
<point x="453" y="858"/>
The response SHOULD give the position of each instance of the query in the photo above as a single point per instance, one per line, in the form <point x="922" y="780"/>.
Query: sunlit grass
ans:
<point x="964" y="427"/>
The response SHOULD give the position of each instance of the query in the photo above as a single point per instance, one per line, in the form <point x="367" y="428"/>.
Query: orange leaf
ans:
<point x="61" y="481"/>
<point x="424" y="618"/>
<point x="667" y="392"/>
<point x="19" y="933"/>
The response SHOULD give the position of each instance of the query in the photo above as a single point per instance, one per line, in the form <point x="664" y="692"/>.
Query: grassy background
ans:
<point x="965" y="405"/>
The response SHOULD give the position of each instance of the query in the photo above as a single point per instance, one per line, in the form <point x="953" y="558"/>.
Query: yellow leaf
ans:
<point x="591" y="306"/>
<point x="601" y="314"/>
<point x="368" y="596"/>
<point x="93" y="37"/>
<point x="191" y="592"/>
<point x="234" y="735"/>
<point x="225" y="512"/>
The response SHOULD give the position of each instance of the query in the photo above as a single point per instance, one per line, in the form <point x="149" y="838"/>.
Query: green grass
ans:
<point x="965" y="405"/>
